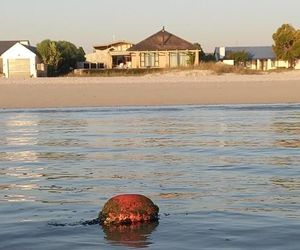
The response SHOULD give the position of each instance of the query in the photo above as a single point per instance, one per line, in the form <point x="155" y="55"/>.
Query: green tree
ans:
<point x="201" y="52"/>
<point x="70" y="56"/>
<point x="287" y="44"/>
<point x="191" y="58"/>
<point x="203" y="57"/>
<point x="60" y="56"/>
<point x="50" y="55"/>
<point x="239" y="57"/>
<point x="209" y="58"/>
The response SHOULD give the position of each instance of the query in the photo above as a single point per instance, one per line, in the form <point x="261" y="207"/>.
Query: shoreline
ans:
<point x="179" y="88"/>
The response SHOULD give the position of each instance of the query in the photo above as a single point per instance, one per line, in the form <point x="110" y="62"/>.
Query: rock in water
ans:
<point x="128" y="209"/>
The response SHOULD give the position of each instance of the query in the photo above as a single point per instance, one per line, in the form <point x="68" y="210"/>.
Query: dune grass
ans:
<point x="115" y="72"/>
<point x="220" y="68"/>
<point x="214" y="68"/>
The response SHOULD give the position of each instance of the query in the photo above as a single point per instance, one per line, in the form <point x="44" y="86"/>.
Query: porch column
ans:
<point x="196" y="58"/>
<point x="167" y="56"/>
<point x="258" y="65"/>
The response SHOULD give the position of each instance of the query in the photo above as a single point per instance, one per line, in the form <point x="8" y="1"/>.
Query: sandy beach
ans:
<point x="175" y="88"/>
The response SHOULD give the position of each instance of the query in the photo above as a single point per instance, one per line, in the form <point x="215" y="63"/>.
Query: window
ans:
<point x="179" y="59"/>
<point x="183" y="59"/>
<point x="100" y="65"/>
<point x="149" y="60"/>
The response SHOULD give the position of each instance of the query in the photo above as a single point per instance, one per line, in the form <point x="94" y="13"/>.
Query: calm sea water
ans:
<point x="224" y="177"/>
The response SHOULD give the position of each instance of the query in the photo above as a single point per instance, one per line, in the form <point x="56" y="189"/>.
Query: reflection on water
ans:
<point x="63" y="165"/>
<point x="289" y="128"/>
<point x="18" y="198"/>
<point x="25" y="156"/>
<point x="135" y="235"/>
<point x="289" y="183"/>
<point x="288" y="143"/>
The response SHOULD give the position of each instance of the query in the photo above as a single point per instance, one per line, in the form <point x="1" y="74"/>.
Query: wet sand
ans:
<point x="176" y="88"/>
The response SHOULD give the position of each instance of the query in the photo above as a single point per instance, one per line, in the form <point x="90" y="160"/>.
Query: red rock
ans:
<point x="128" y="209"/>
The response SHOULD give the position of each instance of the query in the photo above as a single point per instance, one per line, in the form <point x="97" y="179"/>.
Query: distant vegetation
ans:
<point x="60" y="56"/>
<point x="212" y="67"/>
<point x="203" y="57"/>
<point x="239" y="57"/>
<point x="221" y="68"/>
<point x="287" y="44"/>
<point x="116" y="72"/>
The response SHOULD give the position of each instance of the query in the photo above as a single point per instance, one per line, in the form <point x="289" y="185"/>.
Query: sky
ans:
<point x="90" y="22"/>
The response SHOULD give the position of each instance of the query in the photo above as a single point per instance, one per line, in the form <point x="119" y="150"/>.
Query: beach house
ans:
<point x="160" y="50"/>
<point x="260" y="57"/>
<point x="18" y="59"/>
<point x="163" y="50"/>
<point x="108" y="56"/>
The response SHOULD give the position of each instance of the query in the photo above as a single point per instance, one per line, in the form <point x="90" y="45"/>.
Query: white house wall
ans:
<point x="282" y="64"/>
<point x="297" y="66"/>
<point x="18" y="51"/>
<point x="229" y="62"/>
<point x="100" y="56"/>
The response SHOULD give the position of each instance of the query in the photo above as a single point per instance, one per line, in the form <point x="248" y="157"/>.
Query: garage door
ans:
<point x="19" y="68"/>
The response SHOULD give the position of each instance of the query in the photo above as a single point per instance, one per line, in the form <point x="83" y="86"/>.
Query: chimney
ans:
<point x="222" y="52"/>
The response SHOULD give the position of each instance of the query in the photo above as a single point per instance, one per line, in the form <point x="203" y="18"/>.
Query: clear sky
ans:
<point x="89" y="22"/>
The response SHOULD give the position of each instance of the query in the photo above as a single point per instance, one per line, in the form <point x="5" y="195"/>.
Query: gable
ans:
<point x="5" y="45"/>
<point x="162" y="40"/>
<point x="19" y="50"/>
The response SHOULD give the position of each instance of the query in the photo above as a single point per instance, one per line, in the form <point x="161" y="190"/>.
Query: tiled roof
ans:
<point x="162" y="40"/>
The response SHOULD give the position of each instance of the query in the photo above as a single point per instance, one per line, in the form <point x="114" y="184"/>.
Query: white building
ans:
<point x="19" y="60"/>
<point x="261" y="57"/>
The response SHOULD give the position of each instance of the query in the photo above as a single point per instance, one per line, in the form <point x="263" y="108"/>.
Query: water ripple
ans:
<point x="228" y="173"/>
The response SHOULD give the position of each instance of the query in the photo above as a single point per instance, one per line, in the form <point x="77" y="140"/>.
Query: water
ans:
<point x="224" y="177"/>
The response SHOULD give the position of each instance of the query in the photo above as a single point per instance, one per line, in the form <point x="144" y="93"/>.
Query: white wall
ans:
<point x="282" y="64"/>
<point x="100" y="56"/>
<point x="297" y="66"/>
<point x="229" y="62"/>
<point x="222" y="52"/>
<point x="18" y="51"/>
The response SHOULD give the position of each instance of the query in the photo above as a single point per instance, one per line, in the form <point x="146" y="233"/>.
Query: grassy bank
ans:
<point x="220" y="68"/>
<point x="114" y="72"/>
<point x="214" y="68"/>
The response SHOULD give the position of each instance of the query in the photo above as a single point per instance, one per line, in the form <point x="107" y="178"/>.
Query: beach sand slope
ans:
<point x="177" y="88"/>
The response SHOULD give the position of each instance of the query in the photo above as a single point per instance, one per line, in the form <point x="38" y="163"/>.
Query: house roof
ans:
<point x="108" y="45"/>
<point x="256" y="52"/>
<point x="31" y="48"/>
<point x="162" y="40"/>
<point x="5" y="45"/>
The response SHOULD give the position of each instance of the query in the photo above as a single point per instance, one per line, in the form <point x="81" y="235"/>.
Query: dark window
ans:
<point x="149" y="60"/>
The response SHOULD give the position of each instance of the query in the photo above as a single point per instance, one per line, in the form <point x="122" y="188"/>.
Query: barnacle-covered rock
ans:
<point x="127" y="209"/>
